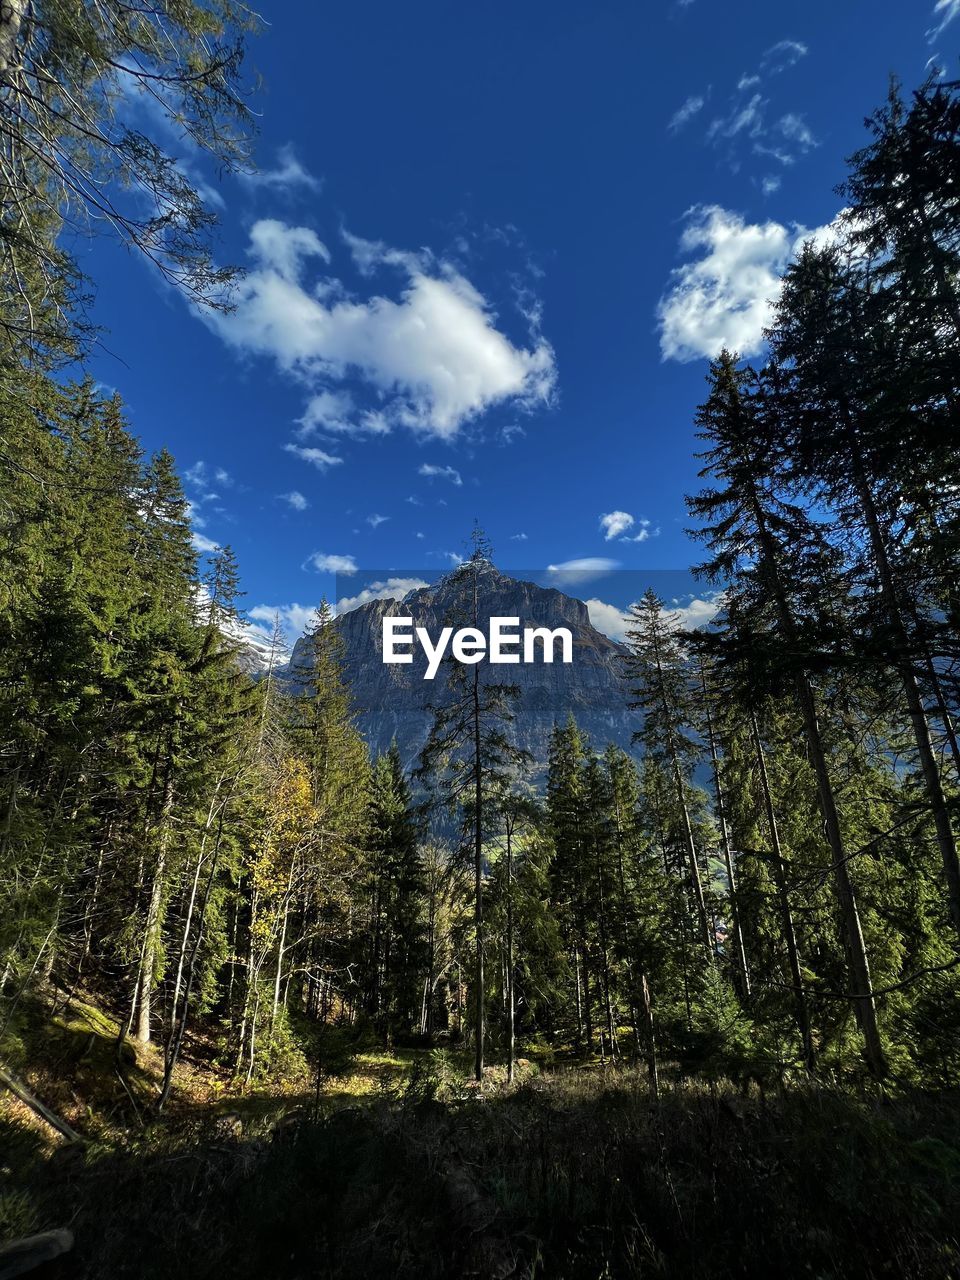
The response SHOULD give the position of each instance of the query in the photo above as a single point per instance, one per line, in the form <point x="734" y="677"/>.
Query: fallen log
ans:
<point x="20" y="1090"/>
<point x="21" y="1256"/>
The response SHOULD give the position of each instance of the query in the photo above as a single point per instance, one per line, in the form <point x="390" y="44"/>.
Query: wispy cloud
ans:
<point x="685" y="113"/>
<point x="201" y="480"/>
<point x="374" y="521"/>
<point x="287" y="175"/>
<point x="745" y="124"/>
<point x="944" y="12"/>
<point x="745" y="117"/>
<point x="645" y="531"/>
<point x="433" y="472"/>
<point x="793" y="127"/>
<point x="295" y="499"/>
<point x="318" y="458"/>
<point x="203" y="544"/>
<point x="781" y="56"/>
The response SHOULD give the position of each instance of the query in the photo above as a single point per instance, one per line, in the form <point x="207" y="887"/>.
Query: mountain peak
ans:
<point x="392" y="700"/>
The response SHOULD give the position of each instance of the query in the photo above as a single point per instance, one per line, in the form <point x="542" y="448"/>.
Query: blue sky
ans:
<point x="490" y="248"/>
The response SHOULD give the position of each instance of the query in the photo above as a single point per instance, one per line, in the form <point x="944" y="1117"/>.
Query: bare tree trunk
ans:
<point x="151" y="930"/>
<point x="696" y="880"/>
<point x="605" y="956"/>
<point x="12" y="14"/>
<point x="511" y="1006"/>
<point x="650" y="1036"/>
<point x="915" y="708"/>
<point x="281" y="945"/>
<point x="191" y="902"/>
<point x="479" y="1021"/>
<point x="741" y="970"/>
<point x="786" y="915"/>
<point x="862" y="999"/>
<point x="179" y="1020"/>
<point x="579" y="1002"/>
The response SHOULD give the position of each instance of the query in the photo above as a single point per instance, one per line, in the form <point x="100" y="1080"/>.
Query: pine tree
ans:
<point x="762" y="542"/>
<point x="657" y="671"/>
<point x="468" y="754"/>
<point x="73" y="152"/>
<point x="397" y="959"/>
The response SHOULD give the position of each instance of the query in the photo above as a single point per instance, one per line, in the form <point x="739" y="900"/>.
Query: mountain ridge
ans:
<point x="392" y="701"/>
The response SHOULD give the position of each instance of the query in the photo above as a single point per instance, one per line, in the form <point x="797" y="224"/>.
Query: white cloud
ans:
<point x="586" y="569"/>
<point x="194" y="516"/>
<point x="294" y="619"/>
<point x="614" y="523"/>
<point x="769" y="185"/>
<point x="374" y="521"/>
<point x="336" y="412"/>
<point x="796" y="129"/>
<point x="694" y="104"/>
<point x="644" y="532"/>
<point x="944" y="12"/>
<point x="420" y="535"/>
<point x="390" y="589"/>
<point x="288" y="174"/>
<point x="199" y="479"/>
<point x="746" y="117"/>
<point x="324" y="563"/>
<point x="281" y="250"/>
<point x="318" y="458"/>
<point x="615" y="622"/>
<point x="433" y="358"/>
<point x="206" y="546"/>
<point x="296" y="500"/>
<point x="782" y="55"/>
<point x="518" y="537"/>
<point x="368" y="255"/>
<point x="444" y="473"/>
<point x="724" y="297"/>
<point x="697" y="613"/>
<point x="608" y="619"/>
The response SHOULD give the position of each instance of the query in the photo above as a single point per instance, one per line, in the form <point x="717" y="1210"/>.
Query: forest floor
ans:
<point x="401" y="1167"/>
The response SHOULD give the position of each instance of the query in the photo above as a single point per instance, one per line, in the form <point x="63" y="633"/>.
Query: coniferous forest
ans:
<point x="272" y="1007"/>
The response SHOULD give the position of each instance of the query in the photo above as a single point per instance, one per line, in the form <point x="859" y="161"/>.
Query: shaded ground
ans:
<point x="406" y="1170"/>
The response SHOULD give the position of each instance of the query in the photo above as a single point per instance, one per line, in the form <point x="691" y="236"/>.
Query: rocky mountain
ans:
<point x="392" y="701"/>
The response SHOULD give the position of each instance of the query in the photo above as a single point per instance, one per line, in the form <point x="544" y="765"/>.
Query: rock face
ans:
<point x="393" y="701"/>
